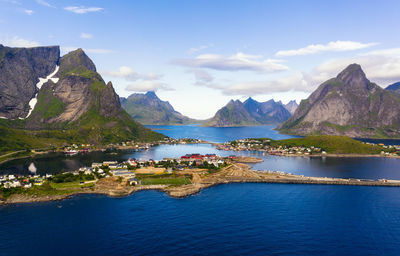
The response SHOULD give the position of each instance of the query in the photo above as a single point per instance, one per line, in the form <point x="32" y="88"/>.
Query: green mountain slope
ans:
<point x="76" y="107"/>
<point x="149" y="109"/>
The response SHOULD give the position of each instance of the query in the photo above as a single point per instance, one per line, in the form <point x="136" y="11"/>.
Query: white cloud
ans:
<point x="66" y="49"/>
<point x="380" y="66"/>
<point x="82" y="9"/>
<point x="293" y="82"/>
<point x="200" y="48"/>
<point x="202" y="77"/>
<point x="29" y="12"/>
<point x="129" y="74"/>
<point x="337" y="46"/>
<point x="239" y="61"/>
<point x="44" y="3"/>
<point x="142" y="82"/>
<point x="17" y="41"/>
<point x="145" y="86"/>
<point x="86" y="35"/>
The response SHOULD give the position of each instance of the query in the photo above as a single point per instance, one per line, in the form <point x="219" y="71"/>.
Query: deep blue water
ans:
<point x="219" y="134"/>
<point x="234" y="219"/>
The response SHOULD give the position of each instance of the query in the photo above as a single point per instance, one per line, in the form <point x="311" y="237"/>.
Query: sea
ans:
<point x="230" y="219"/>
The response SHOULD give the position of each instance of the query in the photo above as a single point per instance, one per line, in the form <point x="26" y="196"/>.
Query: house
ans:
<point x="113" y="166"/>
<point x="108" y="163"/>
<point x="98" y="165"/>
<point x="132" y="162"/>
<point x="133" y="181"/>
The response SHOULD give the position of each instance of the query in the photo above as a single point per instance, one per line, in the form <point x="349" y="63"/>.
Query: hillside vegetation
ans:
<point x="330" y="144"/>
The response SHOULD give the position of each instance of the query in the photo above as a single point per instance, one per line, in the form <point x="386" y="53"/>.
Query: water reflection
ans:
<point x="346" y="167"/>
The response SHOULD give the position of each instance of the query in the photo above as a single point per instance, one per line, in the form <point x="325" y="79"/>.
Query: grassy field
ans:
<point x="44" y="190"/>
<point x="166" y="181"/>
<point x="328" y="143"/>
<point x="69" y="185"/>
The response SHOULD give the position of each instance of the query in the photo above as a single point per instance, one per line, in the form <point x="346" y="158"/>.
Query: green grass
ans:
<point x="48" y="105"/>
<point x="68" y="185"/>
<point x="44" y="190"/>
<point x="165" y="181"/>
<point x="330" y="144"/>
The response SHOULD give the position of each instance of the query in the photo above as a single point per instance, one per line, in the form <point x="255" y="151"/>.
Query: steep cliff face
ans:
<point x="347" y="105"/>
<point x="20" y="70"/>
<point x="149" y="109"/>
<point x="250" y="112"/>
<point x="77" y="100"/>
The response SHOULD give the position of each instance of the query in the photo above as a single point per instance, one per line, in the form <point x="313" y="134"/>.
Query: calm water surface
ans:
<point x="366" y="168"/>
<point x="234" y="219"/>
<point x="219" y="134"/>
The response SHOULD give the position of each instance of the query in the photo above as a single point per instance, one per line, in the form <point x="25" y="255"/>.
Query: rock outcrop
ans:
<point x="347" y="105"/>
<point x="20" y="70"/>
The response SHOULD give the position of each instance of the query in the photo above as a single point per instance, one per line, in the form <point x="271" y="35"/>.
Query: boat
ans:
<point x="71" y="152"/>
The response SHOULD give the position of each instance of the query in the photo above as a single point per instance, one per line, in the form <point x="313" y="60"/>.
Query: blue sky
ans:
<point x="200" y="54"/>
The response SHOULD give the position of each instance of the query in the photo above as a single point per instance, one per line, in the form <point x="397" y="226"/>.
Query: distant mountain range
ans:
<point x="291" y="106"/>
<point x="149" y="109"/>
<point x="394" y="87"/>
<point x="251" y="112"/>
<point x="348" y="104"/>
<point x="51" y="100"/>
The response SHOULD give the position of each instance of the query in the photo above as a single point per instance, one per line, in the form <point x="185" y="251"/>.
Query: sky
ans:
<point x="200" y="54"/>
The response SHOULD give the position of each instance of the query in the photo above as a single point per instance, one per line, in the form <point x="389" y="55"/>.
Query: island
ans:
<point x="313" y="146"/>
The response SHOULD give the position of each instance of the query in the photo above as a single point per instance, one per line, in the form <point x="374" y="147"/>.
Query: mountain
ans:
<point x="233" y="114"/>
<point x="269" y="112"/>
<point x="350" y="105"/>
<point x="63" y="98"/>
<point x="250" y="112"/>
<point x="20" y="69"/>
<point x="149" y="109"/>
<point x="394" y="87"/>
<point x="291" y="106"/>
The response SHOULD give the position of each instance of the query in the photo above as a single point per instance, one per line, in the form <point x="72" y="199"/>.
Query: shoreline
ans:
<point x="235" y="173"/>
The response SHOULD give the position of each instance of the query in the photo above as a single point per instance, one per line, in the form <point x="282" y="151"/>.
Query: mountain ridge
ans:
<point x="350" y="105"/>
<point x="147" y="108"/>
<point x="249" y="113"/>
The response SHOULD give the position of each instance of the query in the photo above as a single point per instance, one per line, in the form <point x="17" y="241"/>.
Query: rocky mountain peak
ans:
<point x="353" y="76"/>
<point x="151" y="94"/>
<point x="347" y="105"/>
<point x="76" y="61"/>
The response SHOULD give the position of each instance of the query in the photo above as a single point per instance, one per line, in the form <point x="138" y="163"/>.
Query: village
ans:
<point x="75" y="149"/>
<point x="283" y="150"/>
<point x="129" y="170"/>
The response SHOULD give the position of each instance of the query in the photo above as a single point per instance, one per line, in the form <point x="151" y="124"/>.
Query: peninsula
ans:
<point x="178" y="178"/>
